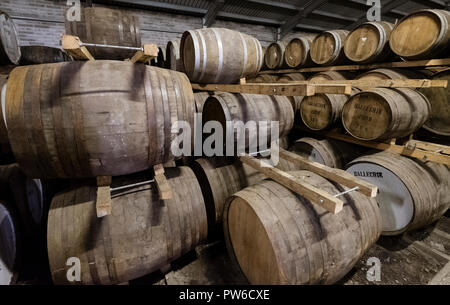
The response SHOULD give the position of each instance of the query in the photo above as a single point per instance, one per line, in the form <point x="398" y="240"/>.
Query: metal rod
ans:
<point x="131" y="185"/>
<point x="259" y="152"/>
<point x="347" y="191"/>
<point x="85" y="44"/>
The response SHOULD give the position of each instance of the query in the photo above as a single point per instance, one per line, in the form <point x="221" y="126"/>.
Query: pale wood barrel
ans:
<point x="274" y="56"/>
<point x="9" y="41"/>
<point x="173" y="58"/>
<point x="27" y="195"/>
<point x="263" y="78"/>
<point x="439" y="120"/>
<point x="96" y="118"/>
<point x="424" y="34"/>
<point x="322" y="111"/>
<point x="290" y="77"/>
<point x="35" y="55"/>
<point x="369" y="43"/>
<point x="278" y="237"/>
<point x="385" y="113"/>
<point x="101" y="25"/>
<point x="412" y="194"/>
<point x="228" y="107"/>
<point x="297" y="52"/>
<point x="327" y="49"/>
<point x="209" y="57"/>
<point x="10" y="244"/>
<point x="394" y="74"/>
<point x="332" y="153"/>
<point x="142" y="235"/>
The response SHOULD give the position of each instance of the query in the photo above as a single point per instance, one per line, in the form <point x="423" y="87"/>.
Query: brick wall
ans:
<point x="41" y="22"/>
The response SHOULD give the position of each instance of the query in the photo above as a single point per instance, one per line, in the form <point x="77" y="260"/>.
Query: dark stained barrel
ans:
<point x="274" y="56"/>
<point x="424" y="34"/>
<point x="96" y="118"/>
<point x="160" y="60"/>
<point x="142" y="235"/>
<point x="332" y="153"/>
<point x="412" y="194"/>
<point x="9" y="41"/>
<point x="244" y="108"/>
<point x="369" y="43"/>
<point x="297" y="52"/>
<point x="327" y="49"/>
<point x="35" y="55"/>
<point x="10" y="244"/>
<point x="173" y="58"/>
<point x="101" y="25"/>
<point x="278" y="237"/>
<point x="27" y="195"/>
<point x="385" y="113"/>
<point x="217" y="55"/>
<point x="5" y="147"/>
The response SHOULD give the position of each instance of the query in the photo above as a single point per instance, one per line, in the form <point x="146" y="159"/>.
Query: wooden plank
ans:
<point x="365" y="83"/>
<point x="149" y="52"/>
<point x="103" y="204"/>
<point x="334" y="174"/>
<point x="164" y="189"/>
<point x="283" y="89"/>
<point x="315" y="195"/>
<point x="73" y="46"/>
<point x="390" y="147"/>
<point x="401" y="64"/>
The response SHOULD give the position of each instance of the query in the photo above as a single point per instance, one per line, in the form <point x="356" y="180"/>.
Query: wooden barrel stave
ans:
<point x="327" y="49"/>
<point x="274" y="56"/>
<point x="9" y="41"/>
<point x="35" y="55"/>
<point x="223" y="107"/>
<point x="412" y="194"/>
<point x="118" y="115"/>
<point x="424" y="34"/>
<point x="173" y="59"/>
<point x="369" y="43"/>
<point x="5" y="147"/>
<point x="101" y="25"/>
<point x="297" y="52"/>
<point x="384" y="113"/>
<point x="200" y="99"/>
<point x="207" y="58"/>
<point x="141" y="235"/>
<point x="293" y="246"/>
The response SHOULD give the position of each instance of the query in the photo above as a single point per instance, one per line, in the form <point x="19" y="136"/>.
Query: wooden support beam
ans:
<point x="74" y="47"/>
<point x="400" y="64"/>
<point x="334" y="174"/>
<point x="285" y="89"/>
<point x="310" y="192"/>
<point x="103" y="203"/>
<point x="164" y="189"/>
<point x="149" y="52"/>
<point x="366" y="83"/>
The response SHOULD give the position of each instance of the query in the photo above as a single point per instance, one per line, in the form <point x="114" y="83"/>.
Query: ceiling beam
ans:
<point x="304" y="11"/>
<point x="163" y="6"/>
<point x="275" y="4"/>
<point x="211" y="14"/>
<point x="391" y="5"/>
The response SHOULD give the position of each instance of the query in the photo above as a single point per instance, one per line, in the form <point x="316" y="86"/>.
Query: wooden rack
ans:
<point x="427" y="64"/>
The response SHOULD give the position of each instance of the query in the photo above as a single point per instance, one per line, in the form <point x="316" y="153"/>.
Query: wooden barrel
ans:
<point x="412" y="194"/>
<point x="103" y="25"/>
<point x="173" y="58"/>
<point x="274" y="56"/>
<point x="5" y="147"/>
<point x="220" y="178"/>
<point x="200" y="99"/>
<point x="439" y="121"/>
<point x="332" y="153"/>
<point x="9" y="41"/>
<point x="385" y="113"/>
<point x="263" y="78"/>
<point x="28" y="196"/>
<point x="34" y="55"/>
<point x="10" y="244"/>
<point x="228" y="107"/>
<point x="322" y="111"/>
<point x="397" y="74"/>
<point x="278" y="237"/>
<point x="424" y="34"/>
<point x="142" y="235"/>
<point x="289" y="77"/>
<point x="369" y="43"/>
<point x="209" y="57"/>
<point x="95" y="118"/>
<point x="297" y="52"/>
<point x="327" y="49"/>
